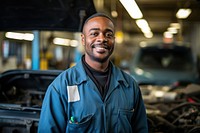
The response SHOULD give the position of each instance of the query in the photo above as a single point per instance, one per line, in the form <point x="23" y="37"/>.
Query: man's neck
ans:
<point x="99" y="66"/>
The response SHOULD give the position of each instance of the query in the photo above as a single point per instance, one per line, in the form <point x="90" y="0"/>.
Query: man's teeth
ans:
<point x="100" y="48"/>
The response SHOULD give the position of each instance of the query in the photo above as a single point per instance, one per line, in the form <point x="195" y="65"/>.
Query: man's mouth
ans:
<point x="100" y="49"/>
<point x="101" y="46"/>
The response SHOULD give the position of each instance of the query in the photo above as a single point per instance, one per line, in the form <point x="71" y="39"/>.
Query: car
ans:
<point x="164" y="64"/>
<point x="21" y="96"/>
<point x="168" y="78"/>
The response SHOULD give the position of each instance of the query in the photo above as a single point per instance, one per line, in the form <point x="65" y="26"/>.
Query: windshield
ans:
<point x="171" y="59"/>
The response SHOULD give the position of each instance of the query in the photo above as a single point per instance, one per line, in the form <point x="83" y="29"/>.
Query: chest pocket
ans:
<point x="83" y="126"/>
<point x="124" y="121"/>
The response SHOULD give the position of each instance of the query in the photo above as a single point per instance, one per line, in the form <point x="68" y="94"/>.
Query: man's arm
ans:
<point x="139" y="119"/>
<point x="52" y="117"/>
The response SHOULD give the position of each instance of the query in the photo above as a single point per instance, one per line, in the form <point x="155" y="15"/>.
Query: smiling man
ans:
<point x="98" y="40"/>
<point x="94" y="96"/>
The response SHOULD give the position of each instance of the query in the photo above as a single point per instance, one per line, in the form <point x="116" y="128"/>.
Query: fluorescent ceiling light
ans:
<point x="61" y="41"/>
<point x="65" y="42"/>
<point x="132" y="8"/>
<point x="74" y="43"/>
<point x="143" y="44"/>
<point x="146" y="30"/>
<point x="144" y="26"/>
<point x="114" y="14"/>
<point x="20" y="36"/>
<point x="142" y="23"/>
<point x="175" y="25"/>
<point x="168" y="34"/>
<point x="172" y="30"/>
<point x="183" y="13"/>
<point x="148" y="35"/>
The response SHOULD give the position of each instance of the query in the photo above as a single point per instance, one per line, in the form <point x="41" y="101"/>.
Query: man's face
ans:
<point x="98" y="39"/>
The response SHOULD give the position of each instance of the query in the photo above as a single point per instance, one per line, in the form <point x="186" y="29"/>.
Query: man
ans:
<point x="94" y="96"/>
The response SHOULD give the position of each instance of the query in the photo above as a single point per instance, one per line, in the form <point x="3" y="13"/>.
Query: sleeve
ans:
<point x="139" y="119"/>
<point x="52" y="117"/>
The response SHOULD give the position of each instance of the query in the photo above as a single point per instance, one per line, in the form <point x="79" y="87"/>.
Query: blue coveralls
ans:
<point x="73" y="104"/>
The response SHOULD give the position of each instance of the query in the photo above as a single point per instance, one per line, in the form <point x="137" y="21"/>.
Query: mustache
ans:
<point x="103" y="45"/>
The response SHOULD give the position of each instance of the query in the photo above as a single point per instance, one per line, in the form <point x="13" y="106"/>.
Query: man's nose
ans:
<point x="102" y="38"/>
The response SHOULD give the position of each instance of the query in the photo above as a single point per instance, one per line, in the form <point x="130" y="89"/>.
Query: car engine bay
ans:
<point x="170" y="109"/>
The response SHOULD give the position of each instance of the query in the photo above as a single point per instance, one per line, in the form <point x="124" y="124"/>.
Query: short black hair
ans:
<point x="97" y="15"/>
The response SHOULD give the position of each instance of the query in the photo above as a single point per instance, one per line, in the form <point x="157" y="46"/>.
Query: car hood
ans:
<point x="60" y="15"/>
<point x="163" y="77"/>
<point x="38" y="79"/>
<point x="25" y="88"/>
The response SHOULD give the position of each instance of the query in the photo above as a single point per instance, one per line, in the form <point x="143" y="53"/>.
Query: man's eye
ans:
<point x="94" y="34"/>
<point x="109" y="34"/>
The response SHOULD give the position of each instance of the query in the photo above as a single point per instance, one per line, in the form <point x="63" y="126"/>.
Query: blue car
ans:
<point x="164" y="64"/>
<point x="169" y="82"/>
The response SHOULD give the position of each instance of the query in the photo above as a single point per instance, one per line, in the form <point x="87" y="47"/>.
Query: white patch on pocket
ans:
<point x="73" y="94"/>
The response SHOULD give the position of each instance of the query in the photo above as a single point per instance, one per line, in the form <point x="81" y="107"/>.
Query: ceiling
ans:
<point x="158" y="13"/>
<point x="59" y="15"/>
<point x="65" y="15"/>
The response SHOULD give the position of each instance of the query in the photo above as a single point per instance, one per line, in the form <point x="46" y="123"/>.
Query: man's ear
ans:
<point x="82" y="39"/>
